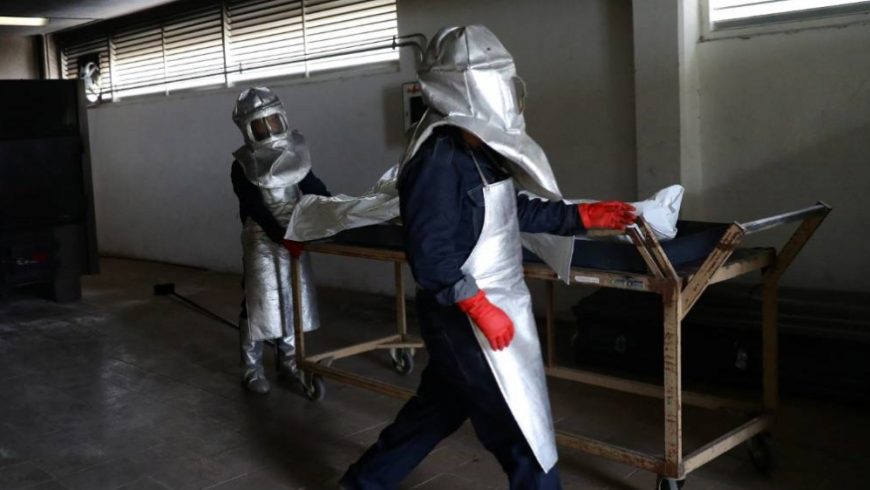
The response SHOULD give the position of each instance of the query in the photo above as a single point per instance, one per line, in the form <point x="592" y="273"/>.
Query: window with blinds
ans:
<point x="740" y="13"/>
<point x="222" y="42"/>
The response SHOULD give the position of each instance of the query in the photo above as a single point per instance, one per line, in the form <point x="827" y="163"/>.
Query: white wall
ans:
<point x="161" y="165"/>
<point x="785" y="122"/>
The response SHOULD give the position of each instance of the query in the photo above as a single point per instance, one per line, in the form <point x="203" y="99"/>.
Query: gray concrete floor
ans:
<point x="125" y="390"/>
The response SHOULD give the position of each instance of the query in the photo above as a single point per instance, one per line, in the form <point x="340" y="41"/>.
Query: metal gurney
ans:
<point x="679" y="282"/>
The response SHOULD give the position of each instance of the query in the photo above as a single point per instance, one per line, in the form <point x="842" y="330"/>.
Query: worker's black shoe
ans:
<point x="256" y="383"/>
<point x="291" y="377"/>
<point x="287" y="369"/>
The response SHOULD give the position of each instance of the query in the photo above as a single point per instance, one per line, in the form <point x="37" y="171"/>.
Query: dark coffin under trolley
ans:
<point x="679" y="271"/>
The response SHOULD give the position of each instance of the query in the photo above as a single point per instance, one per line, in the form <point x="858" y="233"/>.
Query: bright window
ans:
<point x="221" y="42"/>
<point x="739" y="13"/>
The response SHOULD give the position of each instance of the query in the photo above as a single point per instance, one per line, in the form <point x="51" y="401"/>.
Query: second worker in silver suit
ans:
<point x="271" y="172"/>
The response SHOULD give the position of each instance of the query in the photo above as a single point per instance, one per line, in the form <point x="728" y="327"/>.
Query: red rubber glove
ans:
<point x="496" y="326"/>
<point x="295" y="248"/>
<point x="614" y="215"/>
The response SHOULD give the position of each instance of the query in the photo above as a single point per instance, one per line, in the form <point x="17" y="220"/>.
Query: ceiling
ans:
<point x="67" y="13"/>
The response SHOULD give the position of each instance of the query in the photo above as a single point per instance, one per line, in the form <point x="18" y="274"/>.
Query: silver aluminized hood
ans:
<point x="278" y="160"/>
<point x="469" y="80"/>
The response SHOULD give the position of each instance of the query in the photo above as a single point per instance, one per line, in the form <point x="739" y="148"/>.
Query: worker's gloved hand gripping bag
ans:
<point x="660" y="212"/>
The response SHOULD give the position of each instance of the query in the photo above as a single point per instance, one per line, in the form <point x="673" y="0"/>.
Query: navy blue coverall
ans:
<point x="442" y="210"/>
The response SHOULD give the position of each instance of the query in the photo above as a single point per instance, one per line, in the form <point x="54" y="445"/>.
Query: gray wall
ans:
<point x="18" y="58"/>
<point x="161" y="165"/>
<point x="161" y="168"/>
<point x="785" y="120"/>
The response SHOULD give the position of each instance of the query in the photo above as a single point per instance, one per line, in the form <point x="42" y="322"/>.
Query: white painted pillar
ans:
<point x="667" y="95"/>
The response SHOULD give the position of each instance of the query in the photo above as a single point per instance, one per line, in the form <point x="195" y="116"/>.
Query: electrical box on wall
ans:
<point x="413" y="104"/>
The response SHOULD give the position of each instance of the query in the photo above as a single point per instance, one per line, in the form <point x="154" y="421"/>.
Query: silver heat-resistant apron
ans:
<point x="496" y="263"/>
<point x="268" y="279"/>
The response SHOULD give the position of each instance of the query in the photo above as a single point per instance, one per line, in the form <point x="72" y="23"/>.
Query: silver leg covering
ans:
<point x="287" y="356"/>
<point x="253" y="375"/>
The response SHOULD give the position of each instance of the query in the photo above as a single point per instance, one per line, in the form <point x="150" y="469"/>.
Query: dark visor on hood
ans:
<point x="266" y="127"/>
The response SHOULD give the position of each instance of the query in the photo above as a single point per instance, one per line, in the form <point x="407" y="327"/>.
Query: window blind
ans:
<point x="137" y="60"/>
<point x="193" y="49"/>
<point x="275" y="37"/>
<point x="738" y="13"/>
<point x="264" y="38"/>
<point x="340" y="26"/>
<point x="233" y="40"/>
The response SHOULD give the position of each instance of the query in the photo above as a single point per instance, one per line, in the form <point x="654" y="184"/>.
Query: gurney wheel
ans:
<point x="315" y="388"/>
<point x="403" y="361"/>
<point x="761" y="452"/>
<point x="664" y="483"/>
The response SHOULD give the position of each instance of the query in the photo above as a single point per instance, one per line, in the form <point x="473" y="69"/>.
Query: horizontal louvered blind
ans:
<point x="278" y="37"/>
<point x="336" y="27"/>
<point x="232" y="40"/>
<point x="735" y="13"/>
<point x="265" y="38"/>
<point x="137" y="60"/>
<point x="193" y="49"/>
<point x="180" y="52"/>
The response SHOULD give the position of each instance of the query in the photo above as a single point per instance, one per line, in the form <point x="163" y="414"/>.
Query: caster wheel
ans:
<point x="403" y="361"/>
<point x="664" y="483"/>
<point x="761" y="452"/>
<point x="314" y="387"/>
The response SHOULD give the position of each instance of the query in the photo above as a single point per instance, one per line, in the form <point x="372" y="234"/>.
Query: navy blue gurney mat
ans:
<point x="694" y="241"/>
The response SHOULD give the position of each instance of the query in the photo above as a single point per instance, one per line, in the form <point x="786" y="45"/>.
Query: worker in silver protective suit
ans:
<point x="463" y="218"/>
<point x="271" y="172"/>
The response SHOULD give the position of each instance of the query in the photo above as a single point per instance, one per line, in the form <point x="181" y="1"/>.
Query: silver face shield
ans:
<point x="261" y="118"/>
<point x="272" y="156"/>
<point x="270" y="127"/>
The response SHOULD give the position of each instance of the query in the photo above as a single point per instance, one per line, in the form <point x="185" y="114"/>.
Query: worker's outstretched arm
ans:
<point x="559" y="218"/>
<point x="542" y="216"/>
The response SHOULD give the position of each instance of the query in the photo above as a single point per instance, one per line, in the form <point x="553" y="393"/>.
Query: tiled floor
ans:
<point x="125" y="390"/>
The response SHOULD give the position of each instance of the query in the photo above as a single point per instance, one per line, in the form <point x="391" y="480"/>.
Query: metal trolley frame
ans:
<point x="679" y="288"/>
